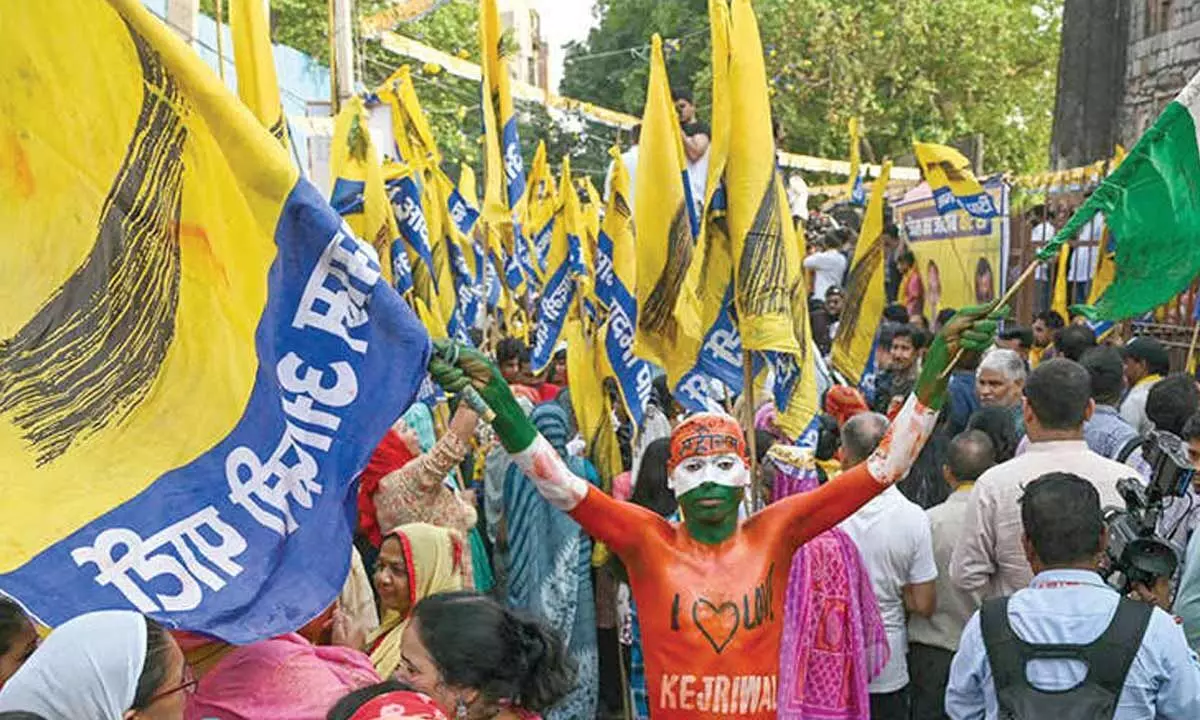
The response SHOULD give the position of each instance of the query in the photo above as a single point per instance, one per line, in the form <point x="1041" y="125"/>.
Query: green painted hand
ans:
<point x="971" y="330"/>
<point x="455" y="367"/>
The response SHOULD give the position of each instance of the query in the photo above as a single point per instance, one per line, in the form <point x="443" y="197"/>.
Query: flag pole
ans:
<point x="1192" y="348"/>
<point x="1004" y="300"/>
<point x="751" y="441"/>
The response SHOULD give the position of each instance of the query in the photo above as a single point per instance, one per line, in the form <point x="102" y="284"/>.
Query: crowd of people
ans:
<point x="940" y="551"/>
<point x="913" y="564"/>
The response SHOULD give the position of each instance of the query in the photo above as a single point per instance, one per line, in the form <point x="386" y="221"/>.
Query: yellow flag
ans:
<point x="358" y="193"/>
<point x="587" y="385"/>
<point x="796" y="394"/>
<point x="1061" y="301"/>
<point x="504" y="174"/>
<point x="616" y="267"/>
<point x="563" y="270"/>
<point x="950" y="179"/>
<point x="410" y="126"/>
<point x="662" y="218"/>
<point x="541" y="204"/>
<point x="254" y="59"/>
<point x="186" y="328"/>
<point x="768" y="269"/>
<point x="854" y="185"/>
<point x="709" y="347"/>
<point x="865" y="299"/>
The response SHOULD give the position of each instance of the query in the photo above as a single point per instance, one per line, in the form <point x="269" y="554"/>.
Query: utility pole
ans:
<point x="181" y="17"/>
<point x="341" y="15"/>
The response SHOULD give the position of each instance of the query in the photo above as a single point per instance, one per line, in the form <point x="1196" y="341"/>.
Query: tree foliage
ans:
<point x="935" y="70"/>
<point x="452" y="104"/>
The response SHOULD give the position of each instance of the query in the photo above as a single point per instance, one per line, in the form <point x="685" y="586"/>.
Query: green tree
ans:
<point x="935" y="70"/>
<point x="452" y="103"/>
<point x="610" y="68"/>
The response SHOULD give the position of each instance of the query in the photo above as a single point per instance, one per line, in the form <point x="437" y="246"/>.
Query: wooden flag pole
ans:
<point x="1004" y="300"/>
<point x="1192" y="348"/>
<point x="751" y="444"/>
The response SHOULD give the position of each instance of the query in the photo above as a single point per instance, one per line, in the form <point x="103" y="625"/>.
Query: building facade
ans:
<point x="1121" y="62"/>
<point x="531" y="63"/>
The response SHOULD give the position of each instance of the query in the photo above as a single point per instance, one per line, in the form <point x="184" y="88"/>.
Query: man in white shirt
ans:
<point x="828" y="266"/>
<point x="1043" y="232"/>
<point x="932" y="641"/>
<point x="630" y="159"/>
<point x="893" y="535"/>
<point x="990" y="560"/>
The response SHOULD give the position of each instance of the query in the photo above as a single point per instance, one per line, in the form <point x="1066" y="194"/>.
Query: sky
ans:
<point x="562" y="22"/>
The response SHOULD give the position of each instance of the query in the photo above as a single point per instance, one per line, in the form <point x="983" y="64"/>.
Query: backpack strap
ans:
<point x="1003" y="646"/>
<point x="1110" y="656"/>
<point x="1128" y="448"/>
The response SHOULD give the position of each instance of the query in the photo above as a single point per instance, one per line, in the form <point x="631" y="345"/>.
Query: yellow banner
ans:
<point x="359" y="194"/>
<point x="958" y="256"/>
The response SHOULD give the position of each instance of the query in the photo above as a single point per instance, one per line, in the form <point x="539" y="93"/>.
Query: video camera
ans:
<point x="1136" y="553"/>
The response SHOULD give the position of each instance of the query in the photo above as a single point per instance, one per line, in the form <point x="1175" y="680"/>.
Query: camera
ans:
<point x="1136" y="553"/>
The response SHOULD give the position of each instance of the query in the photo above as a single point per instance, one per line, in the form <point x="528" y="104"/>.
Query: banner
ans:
<point x="197" y="357"/>
<point x="959" y="257"/>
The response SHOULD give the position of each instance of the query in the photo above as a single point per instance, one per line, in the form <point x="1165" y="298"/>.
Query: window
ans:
<point x="1157" y="17"/>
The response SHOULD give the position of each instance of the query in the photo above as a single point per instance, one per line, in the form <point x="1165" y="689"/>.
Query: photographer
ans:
<point x="1169" y="405"/>
<point x="1187" y="599"/>
<point x="1130" y="659"/>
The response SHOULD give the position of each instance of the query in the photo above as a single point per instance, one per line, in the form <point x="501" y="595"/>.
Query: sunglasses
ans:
<point x="188" y="687"/>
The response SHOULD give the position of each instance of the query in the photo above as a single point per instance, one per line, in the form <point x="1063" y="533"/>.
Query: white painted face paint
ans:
<point x="728" y="470"/>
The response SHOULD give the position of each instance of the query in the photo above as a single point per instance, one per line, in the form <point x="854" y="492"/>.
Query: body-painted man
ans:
<point x="710" y="590"/>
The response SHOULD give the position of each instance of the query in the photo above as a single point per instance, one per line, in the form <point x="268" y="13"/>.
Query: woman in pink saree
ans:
<point x="833" y="636"/>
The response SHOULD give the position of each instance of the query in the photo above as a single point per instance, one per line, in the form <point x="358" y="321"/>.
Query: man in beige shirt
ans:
<point x="989" y="561"/>
<point x="933" y="640"/>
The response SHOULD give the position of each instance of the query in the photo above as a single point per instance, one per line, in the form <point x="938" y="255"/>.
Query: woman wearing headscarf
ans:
<point x="401" y="485"/>
<point x="549" y="572"/>
<point x="281" y="678"/>
<point x="110" y="665"/>
<point x="415" y="561"/>
<point x="834" y="640"/>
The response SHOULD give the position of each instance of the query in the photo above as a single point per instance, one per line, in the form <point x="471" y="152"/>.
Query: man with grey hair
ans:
<point x="989" y="560"/>
<point x="1000" y="381"/>
<point x="893" y="535"/>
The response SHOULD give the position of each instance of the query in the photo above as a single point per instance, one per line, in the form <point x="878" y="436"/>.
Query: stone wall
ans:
<point x="1157" y="65"/>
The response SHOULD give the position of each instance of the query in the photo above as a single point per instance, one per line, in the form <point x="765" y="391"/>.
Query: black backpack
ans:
<point x="1108" y="659"/>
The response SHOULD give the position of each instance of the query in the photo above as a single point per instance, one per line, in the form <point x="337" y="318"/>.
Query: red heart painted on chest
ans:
<point x="718" y="623"/>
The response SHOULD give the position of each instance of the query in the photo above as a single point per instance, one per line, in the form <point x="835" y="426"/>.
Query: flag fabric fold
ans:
<point x="953" y="184"/>
<point x="1152" y="213"/>
<point x="236" y="360"/>
<point x="768" y="269"/>
<point x="562" y="265"/>
<point x="855" y="187"/>
<point x="254" y="60"/>
<point x="662" y="217"/>
<point x="616" y="265"/>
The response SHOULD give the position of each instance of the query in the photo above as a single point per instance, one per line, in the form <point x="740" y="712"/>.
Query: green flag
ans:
<point x="1152" y="205"/>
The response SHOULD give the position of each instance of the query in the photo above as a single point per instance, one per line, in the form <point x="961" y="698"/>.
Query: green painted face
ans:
<point x="711" y="511"/>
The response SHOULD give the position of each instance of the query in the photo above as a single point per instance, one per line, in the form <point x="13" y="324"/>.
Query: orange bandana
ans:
<point x="704" y="435"/>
